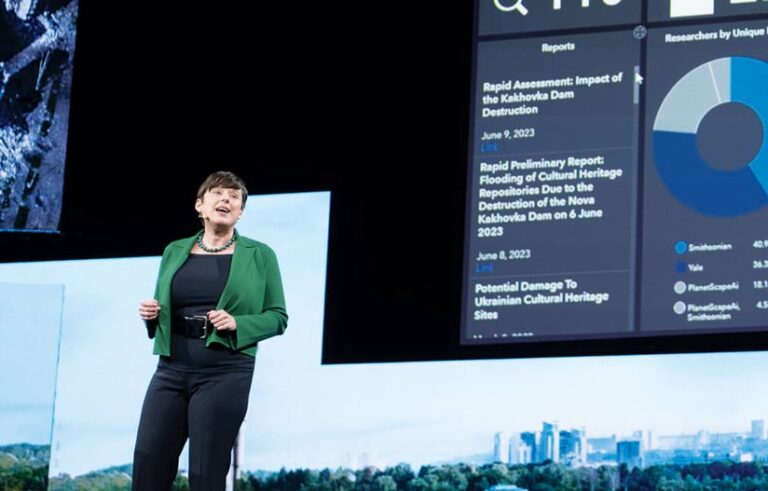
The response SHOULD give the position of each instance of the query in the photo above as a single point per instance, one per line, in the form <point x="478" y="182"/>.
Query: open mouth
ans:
<point x="223" y="210"/>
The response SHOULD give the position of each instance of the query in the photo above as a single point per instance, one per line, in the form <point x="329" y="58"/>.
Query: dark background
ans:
<point x="369" y="101"/>
<point x="293" y="98"/>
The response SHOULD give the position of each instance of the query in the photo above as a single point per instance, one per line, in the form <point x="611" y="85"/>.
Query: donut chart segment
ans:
<point x="690" y="178"/>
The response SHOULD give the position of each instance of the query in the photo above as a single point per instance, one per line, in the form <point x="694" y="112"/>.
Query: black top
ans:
<point x="196" y="289"/>
<point x="198" y="284"/>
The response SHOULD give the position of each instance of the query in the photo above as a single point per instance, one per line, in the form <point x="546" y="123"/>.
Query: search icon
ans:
<point x="516" y="5"/>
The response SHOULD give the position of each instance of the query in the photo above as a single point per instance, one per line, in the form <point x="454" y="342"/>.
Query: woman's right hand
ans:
<point x="149" y="310"/>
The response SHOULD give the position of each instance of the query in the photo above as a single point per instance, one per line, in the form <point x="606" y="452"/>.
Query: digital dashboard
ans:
<point x="618" y="170"/>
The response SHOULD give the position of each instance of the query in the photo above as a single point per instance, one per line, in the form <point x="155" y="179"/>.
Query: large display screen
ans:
<point x="37" y="47"/>
<point x="618" y="173"/>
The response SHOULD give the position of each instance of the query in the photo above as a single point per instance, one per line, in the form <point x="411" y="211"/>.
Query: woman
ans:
<point x="218" y="294"/>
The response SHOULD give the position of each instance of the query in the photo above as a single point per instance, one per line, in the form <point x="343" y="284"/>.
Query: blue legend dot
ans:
<point x="681" y="246"/>
<point x="681" y="267"/>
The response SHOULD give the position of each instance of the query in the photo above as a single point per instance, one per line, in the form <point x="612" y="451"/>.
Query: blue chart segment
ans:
<point x="690" y="178"/>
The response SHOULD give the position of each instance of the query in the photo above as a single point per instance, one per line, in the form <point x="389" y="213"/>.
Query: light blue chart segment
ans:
<point x="750" y="77"/>
<point x="687" y="176"/>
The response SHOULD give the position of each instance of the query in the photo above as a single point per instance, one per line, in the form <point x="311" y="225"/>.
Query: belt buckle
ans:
<point x="203" y="318"/>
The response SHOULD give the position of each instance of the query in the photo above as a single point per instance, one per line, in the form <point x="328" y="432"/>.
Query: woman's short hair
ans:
<point x="223" y="179"/>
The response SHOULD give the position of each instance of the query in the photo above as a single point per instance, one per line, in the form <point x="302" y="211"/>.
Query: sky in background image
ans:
<point x="423" y="413"/>
<point x="28" y="359"/>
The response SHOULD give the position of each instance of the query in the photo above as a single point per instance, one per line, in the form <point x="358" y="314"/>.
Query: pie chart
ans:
<point x="691" y="180"/>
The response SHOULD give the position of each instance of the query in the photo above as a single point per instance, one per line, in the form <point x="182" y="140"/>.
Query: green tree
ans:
<point x="402" y="474"/>
<point x="417" y="484"/>
<point x="181" y="483"/>
<point x="384" y="483"/>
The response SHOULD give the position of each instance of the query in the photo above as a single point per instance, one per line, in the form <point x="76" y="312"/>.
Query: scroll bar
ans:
<point x="637" y="80"/>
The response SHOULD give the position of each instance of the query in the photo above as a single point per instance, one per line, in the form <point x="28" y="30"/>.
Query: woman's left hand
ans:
<point x="221" y="320"/>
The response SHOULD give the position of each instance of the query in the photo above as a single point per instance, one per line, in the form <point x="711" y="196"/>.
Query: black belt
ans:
<point x="192" y="326"/>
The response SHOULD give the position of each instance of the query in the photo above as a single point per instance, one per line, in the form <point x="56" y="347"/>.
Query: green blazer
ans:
<point x="253" y="295"/>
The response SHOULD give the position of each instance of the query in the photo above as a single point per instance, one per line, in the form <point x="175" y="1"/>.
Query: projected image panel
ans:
<point x="106" y="357"/>
<point x="28" y="365"/>
<point x="457" y="422"/>
<point x="36" y="53"/>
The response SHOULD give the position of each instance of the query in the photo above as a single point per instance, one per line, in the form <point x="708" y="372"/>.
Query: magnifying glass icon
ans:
<point x="516" y="5"/>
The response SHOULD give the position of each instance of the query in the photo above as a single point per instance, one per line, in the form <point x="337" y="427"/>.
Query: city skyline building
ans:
<point x="530" y="439"/>
<point x="758" y="429"/>
<point x="639" y="435"/>
<point x="602" y="444"/>
<point x="629" y="452"/>
<point x="640" y="448"/>
<point x="549" y="443"/>
<point x="519" y="452"/>
<point x="501" y="447"/>
<point x="573" y="447"/>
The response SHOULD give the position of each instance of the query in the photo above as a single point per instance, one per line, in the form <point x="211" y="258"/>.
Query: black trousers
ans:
<point x="202" y="396"/>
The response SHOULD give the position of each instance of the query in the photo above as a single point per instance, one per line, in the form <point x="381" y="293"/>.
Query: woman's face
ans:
<point x="220" y="206"/>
